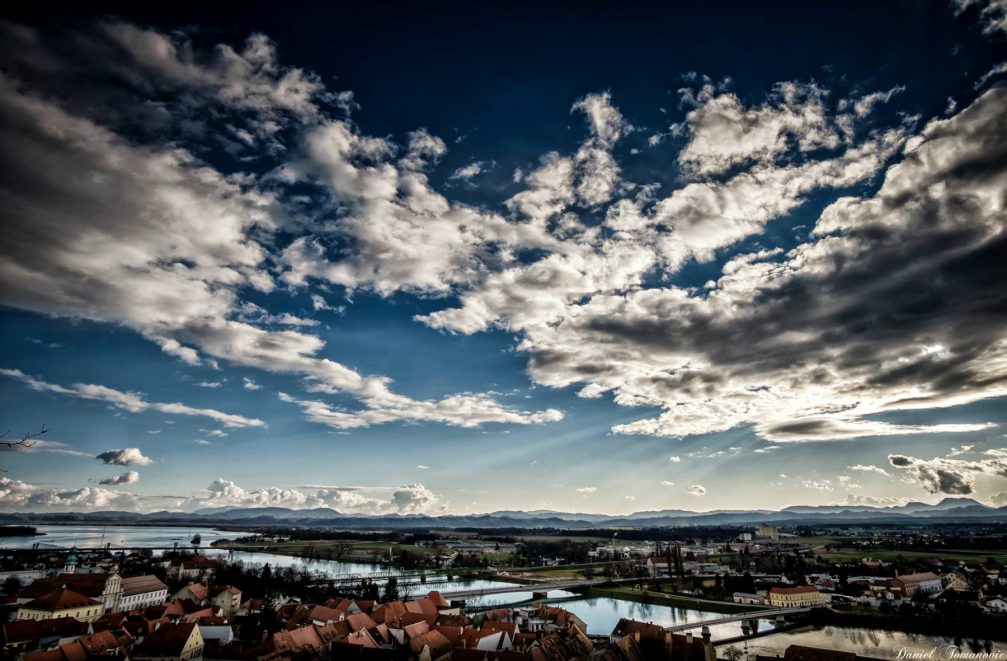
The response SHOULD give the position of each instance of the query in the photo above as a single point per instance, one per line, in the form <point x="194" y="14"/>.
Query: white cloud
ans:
<point x="18" y="496"/>
<point x="950" y="476"/>
<point x="708" y="359"/>
<point x="587" y="489"/>
<point x="869" y="469"/>
<point x="129" y="401"/>
<point x="847" y="482"/>
<point x="250" y="384"/>
<point x="129" y="477"/>
<point x="47" y="446"/>
<point x="875" y="501"/>
<point x="723" y="133"/>
<point x="465" y="410"/>
<point x="674" y="459"/>
<point x="840" y="318"/>
<point x="319" y="303"/>
<point x="696" y="490"/>
<point x="125" y="457"/>
<point x="992" y="13"/>
<point x="469" y="171"/>
<point x="666" y="483"/>
<point x="190" y="239"/>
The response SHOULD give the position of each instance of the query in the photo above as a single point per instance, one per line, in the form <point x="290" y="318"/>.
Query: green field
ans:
<point x="847" y="552"/>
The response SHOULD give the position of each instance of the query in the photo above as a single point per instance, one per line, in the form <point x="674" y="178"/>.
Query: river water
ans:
<point x="92" y="536"/>
<point x="600" y="614"/>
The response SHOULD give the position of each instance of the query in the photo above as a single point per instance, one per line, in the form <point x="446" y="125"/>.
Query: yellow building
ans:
<point x="769" y="532"/>
<point x="800" y="596"/>
<point x="63" y="602"/>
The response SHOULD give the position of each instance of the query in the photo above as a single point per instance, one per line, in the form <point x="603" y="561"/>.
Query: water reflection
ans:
<point x="865" y="642"/>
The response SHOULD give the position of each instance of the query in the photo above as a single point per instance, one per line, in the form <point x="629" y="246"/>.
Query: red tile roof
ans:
<point x="61" y="599"/>
<point x="135" y="585"/>
<point x="198" y="590"/>
<point x="168" y="640"/>
<point x="797" y="589"/>
<point x="17" y="631"/>
<point x="435" y="640"/>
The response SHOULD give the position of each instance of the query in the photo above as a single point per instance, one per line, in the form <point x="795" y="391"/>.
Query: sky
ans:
<point x="467" y="257"/>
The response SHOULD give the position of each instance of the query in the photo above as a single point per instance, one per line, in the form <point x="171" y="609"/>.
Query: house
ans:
<point x="657" y="566"/>
<point x="102" y="644"/>
<point x="197" y="593"/>
<point x="799" y="596"/>
<point x="228" y="601"/>
<point x="171" y="642"/>
<point x="747" y="598"/>
<point x="909" y="584"/>
<point x="21" y="635"/>
<point x="139" y="592"/>
<point x="198" y="568"/>
<point x="955" y="581"/>
<point x="62" y="602"/>
<point x="322" y="615"/>
<point x="220" y="634"/>
<point x="304" y="640"/>
<point x="431" y="646"/>
<point x="767" y="532"/>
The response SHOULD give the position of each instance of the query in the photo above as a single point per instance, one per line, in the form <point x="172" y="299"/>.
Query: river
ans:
<point x="93" y="536"/>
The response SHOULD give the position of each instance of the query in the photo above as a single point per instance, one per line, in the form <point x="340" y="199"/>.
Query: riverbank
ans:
<point x="672" y="600"/>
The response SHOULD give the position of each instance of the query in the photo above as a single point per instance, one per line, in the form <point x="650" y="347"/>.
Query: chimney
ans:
<point x="706" y="634"/>
<point x="636" y="635"/>
<point x="688" y="638"/>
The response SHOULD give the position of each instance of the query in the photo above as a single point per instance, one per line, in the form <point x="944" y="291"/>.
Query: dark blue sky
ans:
<point x="690" y="256"/>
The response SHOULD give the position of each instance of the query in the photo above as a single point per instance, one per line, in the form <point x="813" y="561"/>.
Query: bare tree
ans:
<point x="26" y="441"/>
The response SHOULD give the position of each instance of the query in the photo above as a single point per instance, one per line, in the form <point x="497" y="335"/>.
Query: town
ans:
<point x="191" y="603"/>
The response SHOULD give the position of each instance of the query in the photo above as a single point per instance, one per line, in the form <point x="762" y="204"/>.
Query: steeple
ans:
<point x="71" y="562"/>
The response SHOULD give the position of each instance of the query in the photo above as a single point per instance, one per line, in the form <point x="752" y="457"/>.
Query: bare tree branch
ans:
<point x="26" y="441"/>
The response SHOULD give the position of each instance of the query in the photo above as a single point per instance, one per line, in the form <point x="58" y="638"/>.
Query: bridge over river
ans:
<point x="737" y="617"/>
<point x="535" y="588"/>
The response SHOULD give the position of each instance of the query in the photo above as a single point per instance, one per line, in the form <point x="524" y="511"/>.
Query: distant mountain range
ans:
<point x="948" y="510"/>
